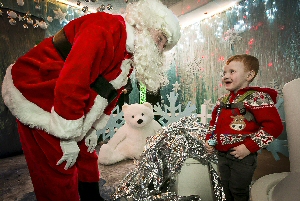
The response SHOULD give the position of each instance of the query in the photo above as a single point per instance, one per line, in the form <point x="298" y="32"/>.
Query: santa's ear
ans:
<point x="124" y="107"/>
<point x="148" y="105"/>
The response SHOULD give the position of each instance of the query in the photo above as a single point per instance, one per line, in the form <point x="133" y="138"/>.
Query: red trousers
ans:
<point x="52" y="182"/>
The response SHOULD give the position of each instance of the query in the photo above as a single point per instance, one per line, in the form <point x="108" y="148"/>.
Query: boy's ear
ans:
<point x="251" y="75"/>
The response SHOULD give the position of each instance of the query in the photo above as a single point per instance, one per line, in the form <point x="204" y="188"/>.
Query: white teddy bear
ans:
<point x="129" y="140"/>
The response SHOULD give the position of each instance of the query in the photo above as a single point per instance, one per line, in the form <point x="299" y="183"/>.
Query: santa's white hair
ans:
<point x="148" y="61"/>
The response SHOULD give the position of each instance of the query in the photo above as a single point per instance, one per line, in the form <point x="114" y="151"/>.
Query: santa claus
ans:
<point x="65" y="88"/>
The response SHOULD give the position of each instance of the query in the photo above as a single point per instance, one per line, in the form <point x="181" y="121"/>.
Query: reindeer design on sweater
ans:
<point x="238" y="123"/>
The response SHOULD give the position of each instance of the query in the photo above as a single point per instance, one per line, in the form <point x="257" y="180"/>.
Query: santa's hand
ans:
<point x="91" y="140"/>
<point x="70" y="151"/>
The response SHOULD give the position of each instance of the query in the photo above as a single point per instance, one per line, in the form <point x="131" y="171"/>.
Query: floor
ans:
<point x="15" y="183"/>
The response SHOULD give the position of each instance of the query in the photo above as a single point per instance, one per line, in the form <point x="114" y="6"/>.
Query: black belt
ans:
<point x="100" y="85"/>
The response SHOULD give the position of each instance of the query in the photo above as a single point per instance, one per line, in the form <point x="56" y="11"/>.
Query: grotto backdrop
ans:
<point x="267" y="29"/>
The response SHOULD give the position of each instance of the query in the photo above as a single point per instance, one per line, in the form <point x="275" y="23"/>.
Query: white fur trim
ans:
<point x="101" y="122"/>
<point x="130" y="38"/>
<point x="63" y="128"/>
<point x="94" y="115"/>
<point x="28" y="113"/>
<point x="121" y="80"/>
<point x="35" y="117"/>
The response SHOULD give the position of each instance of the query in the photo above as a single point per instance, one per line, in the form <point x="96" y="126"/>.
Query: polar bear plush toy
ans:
<point x="129" y="140"/>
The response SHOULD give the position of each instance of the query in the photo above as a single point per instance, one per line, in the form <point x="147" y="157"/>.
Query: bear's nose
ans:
<point x="140" y="121"/>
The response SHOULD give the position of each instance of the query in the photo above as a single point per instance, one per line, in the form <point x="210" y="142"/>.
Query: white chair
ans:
<point x="285" y="186"/>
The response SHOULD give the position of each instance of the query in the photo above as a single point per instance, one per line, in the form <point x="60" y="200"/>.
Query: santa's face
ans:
<point x="148" y="59"/>
<point x="159" y="39"/>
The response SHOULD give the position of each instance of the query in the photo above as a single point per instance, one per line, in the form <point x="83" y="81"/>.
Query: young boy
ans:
<point x="243" y="122"/>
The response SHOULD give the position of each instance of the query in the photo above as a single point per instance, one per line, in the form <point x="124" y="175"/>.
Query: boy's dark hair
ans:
<point x="250" y="62"/>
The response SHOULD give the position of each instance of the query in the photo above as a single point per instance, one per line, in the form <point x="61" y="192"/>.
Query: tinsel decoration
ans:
<point x="163" y="158"/>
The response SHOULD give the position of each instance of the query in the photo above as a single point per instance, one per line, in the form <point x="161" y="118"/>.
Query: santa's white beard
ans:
<point x="148" y="62"/>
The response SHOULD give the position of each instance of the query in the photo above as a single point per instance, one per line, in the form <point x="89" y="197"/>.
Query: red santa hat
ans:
<point x="153" y="14"/>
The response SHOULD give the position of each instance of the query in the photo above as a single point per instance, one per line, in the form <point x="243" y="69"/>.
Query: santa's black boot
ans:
<point x="89" y="191"/>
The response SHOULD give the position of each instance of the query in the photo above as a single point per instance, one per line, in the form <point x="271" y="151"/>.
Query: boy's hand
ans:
<point x="209" y="149"/>
<point x="240" y="151"/>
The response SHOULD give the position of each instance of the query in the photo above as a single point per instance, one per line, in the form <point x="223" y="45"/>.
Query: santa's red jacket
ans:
<point x="43" y="91"/>
<point x="232" y="129"/>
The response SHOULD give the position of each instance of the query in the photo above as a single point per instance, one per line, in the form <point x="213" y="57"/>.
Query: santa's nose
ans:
<point x="140" y="121"/>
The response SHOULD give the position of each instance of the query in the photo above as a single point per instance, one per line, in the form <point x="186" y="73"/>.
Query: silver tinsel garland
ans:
<point x="163" y="158"/>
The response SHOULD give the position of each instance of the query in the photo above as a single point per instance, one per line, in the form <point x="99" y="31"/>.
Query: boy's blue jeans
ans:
<point x="236" y="175"/>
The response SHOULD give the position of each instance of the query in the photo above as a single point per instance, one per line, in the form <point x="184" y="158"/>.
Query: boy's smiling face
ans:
<point x="236" y="76"/>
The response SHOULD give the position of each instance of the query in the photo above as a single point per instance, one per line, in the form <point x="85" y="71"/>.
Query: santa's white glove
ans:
<point x="91" y="140"/>
<point x="70" y="151"/>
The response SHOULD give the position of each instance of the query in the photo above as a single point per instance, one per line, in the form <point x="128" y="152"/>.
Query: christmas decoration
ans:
<point x="163" y="159"/>
<point x="176" y="87"/>
<point x="172" y="113"/>
<point x="109" y="7"/>
<point x="49" y="19"/>
<point x="85" y="9"/>
<point x="41" y="24"/>
<point x="12" y="21"/>
<point x="278" y="146"/>
<point x="209" y="104"/>
<point x="60" y="15"/>
<point x="20" y="2"/>
<point x="115" y="121"/>
<point x="12" y="14"/>
<point x="232" y="35"/>
<point x="101" y="8"/>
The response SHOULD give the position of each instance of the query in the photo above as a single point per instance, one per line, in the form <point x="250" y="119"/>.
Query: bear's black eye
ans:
<point x="132" y="116"/>
<point x="142" y="114"/>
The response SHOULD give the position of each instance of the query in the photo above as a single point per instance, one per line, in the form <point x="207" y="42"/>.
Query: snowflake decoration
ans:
<point x="232" y="36"/>
<point x="176" y="87"/>
<point x="280" y="107"/>
<point x="115" y="121"/>
<point x="172" y="113"/>
<point x="278" y="146"/>
<point x="60" y="15"/>
<point x="274" y="85"/>
<point x="209" y="104"/>
<point x="20" y="18"/>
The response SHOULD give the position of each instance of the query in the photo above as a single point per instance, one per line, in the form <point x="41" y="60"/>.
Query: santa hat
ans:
<point x="153" y="14"/>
